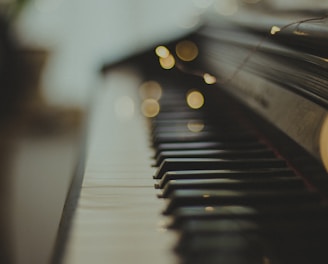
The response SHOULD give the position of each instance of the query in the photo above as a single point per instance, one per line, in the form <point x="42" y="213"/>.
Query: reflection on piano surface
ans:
<point x="238" y="153"/>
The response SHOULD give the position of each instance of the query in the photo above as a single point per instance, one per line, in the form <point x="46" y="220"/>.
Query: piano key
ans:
<point x="176" y="164"/>
<point x="187" y="213"/>
<point x="175" y="122"/>
<point x="215" y="153"/>
<point x="191" y="114"/>
<point x="241" y="244"/>
<point x="172" y="137"/>
<point x="181" y="198"/>
<point x="178" y="124"/>
<point x="281" y="183"/>
<point x="268" y="227"/>
<point x="219" y="257"/>
<point x="224" y="174"/>
<point x="182" y="126"/>
<point x="259" y="213"/>
<point x="221" y="226"/>
<point x="209" y="145"/>
<point x="183" y="137"/>
<point x="194" y="229"/>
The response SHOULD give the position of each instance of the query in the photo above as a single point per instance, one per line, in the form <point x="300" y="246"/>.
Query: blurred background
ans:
<point x="84" y="34"/>
<point x="51" y="54"/>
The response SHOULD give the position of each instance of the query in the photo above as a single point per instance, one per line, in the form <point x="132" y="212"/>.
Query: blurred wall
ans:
<point x="83" y="34"/>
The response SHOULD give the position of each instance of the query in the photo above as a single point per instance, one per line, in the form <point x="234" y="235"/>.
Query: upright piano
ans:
<point x="208" y="149"/>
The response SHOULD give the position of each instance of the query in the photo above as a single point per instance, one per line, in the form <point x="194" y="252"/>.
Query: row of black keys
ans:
<point x="231" y="199"/>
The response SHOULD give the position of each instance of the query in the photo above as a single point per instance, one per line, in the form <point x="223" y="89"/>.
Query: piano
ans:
<point x="208" y="149"/>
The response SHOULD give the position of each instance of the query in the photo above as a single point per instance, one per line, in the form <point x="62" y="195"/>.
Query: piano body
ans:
<point x="208" y="149"/>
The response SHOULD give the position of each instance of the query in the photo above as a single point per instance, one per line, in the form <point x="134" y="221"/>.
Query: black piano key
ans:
<point x="187" y="125"/>
<point x="181" y="127"/>
<point x="176" y="164"/>
<point x="242" y="244"/>
<point x="182" y="198"/>
<point x="172" y="137"/>
<point x="176" y="122"/>
<point x="184" y="214"/>
<point x="187" y="213"/>
<point x="221" y="226"/>
<point x="192" y="230"/>
<point x="280" y="183"/>
<point x="215" y="153"/>
<point x="289" y="258"/>
<point x="175" y="115"/>
<point x="293" y="229"/>
<point x="176" y="111"/>
<point x="254" y="144"/>
<point x="220" y="258"/>
<point x="184" y="137"/>
<point x="251" y="174"/>
<point x="306" y="210"/>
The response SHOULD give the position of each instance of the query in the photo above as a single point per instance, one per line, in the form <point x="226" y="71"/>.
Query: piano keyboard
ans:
<point x="191" y="186"/>
<point x="239" y="202"/>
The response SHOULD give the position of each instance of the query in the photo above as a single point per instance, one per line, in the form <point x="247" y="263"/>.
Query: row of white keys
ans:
<point x="118" y="216"/>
